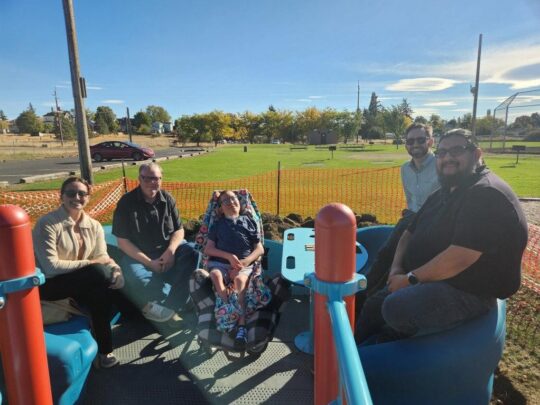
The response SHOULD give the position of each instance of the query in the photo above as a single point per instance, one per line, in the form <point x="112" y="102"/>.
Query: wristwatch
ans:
<point x="413" y="280"/>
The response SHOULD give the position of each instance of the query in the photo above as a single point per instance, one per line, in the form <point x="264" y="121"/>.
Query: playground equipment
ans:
<point x="22" y="345"/>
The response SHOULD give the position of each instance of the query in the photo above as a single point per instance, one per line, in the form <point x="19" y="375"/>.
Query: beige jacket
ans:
<point x="55" y="243"/>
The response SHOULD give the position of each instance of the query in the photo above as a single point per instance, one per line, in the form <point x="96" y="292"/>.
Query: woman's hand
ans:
<point x="104" y="260"/>
<point x="117" y="279"/>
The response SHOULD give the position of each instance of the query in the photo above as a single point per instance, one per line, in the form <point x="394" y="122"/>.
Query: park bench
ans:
<point x="294" y="147"/>
<point x="352" y="146"/>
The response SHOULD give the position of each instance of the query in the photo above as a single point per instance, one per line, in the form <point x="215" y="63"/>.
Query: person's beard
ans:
<point x="452" y="180"/>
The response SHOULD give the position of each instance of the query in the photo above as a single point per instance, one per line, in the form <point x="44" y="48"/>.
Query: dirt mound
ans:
<point x="275" y="226"/>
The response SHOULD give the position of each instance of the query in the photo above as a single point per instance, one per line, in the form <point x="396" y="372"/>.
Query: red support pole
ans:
<point x="335" y="261"/>
<point x="22" y="342"/>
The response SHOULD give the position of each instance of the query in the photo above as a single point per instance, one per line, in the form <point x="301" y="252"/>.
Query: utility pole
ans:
<point x="474" y="89"/>
<point x="358" y="111"/>
<point x="128" y="124"/>
<point x="78" y="86"/>
<point x="58" y="119"/>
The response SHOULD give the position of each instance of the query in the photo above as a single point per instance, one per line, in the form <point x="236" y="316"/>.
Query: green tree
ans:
<point x="68" y="128"/>
<point x="28" y="122"/>
<point x="105" y="120"/>
<point x="535" y="120"/>
<point x="419" y="119"/>
<point x="157" y="114"/>
<point x="3" y="116"/>
<point x="31" y="108"/>
<point x="251" y="125"/>
<point x="437" y="123"/>
<point x="396" y="121"/>
<point x="406" y="109"/>
<point x="487" y="124"/>
<point x="142" y="118"/>
<point x="348" y="124"/>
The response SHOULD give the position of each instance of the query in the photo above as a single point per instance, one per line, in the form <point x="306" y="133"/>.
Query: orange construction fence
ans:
<point x="301" y="191"/>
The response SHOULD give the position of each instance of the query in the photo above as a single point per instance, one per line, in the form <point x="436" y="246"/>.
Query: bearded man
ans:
<point x="461" y="252"/>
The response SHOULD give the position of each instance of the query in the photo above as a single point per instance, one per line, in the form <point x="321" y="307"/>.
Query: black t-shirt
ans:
<point x="148" y="226"/>
<point x="482" y="214"/>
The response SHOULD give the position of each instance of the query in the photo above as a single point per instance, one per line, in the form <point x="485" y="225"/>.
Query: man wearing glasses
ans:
<point x="157" y="262"/>
<point x="461" y="252"/>
<point x="419" y="175"/>
<point x="419" y="180"/>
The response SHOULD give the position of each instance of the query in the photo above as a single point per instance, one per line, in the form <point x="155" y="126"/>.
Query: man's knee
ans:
<point x="397" y="312"/>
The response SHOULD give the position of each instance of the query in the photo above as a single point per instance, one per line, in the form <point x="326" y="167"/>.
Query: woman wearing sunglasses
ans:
<point x="71" y="251"/>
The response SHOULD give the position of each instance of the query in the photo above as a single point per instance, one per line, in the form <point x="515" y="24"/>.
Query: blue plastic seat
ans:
<point x="372" y="239"/>
<point x="451" y="367"/>
<point x="70" y="352"/>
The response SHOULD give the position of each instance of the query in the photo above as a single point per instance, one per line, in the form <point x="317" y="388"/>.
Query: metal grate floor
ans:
<point x="170" y="368"/>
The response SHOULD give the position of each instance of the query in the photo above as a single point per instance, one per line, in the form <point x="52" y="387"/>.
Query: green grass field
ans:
<point x="230" y="162"/>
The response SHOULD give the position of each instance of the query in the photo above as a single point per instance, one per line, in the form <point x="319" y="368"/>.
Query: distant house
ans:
<point x="317" y="137"/>
<point x="157" y="128"/>
<point x="13" y="128"/>
<point x="168" y="127"/>
<point x="122" y="123"/>
<point x="50" y="117"/>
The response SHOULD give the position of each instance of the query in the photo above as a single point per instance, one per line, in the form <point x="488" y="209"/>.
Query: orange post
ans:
<point x="22" y="342"/>
<point x="335" y="261"/>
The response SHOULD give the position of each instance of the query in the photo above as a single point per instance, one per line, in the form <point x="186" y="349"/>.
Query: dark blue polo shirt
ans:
<point x="148" y="226"/>
<point x="481" y="214"/>
<point x="237" y="236"/>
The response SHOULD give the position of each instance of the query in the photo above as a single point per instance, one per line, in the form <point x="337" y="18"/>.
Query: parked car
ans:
<point x="120" y="150"/>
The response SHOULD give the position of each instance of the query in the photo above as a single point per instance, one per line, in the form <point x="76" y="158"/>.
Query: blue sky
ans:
<point x="198" y="56"/>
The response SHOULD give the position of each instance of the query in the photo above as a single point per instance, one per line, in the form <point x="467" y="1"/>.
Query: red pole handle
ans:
<point x="22" y="343"/>
<point x="335" y="261"/>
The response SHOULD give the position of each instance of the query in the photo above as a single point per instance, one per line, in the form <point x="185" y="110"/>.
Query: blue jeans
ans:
<point x="419" y="310"/>
<point x="170" y="289"/>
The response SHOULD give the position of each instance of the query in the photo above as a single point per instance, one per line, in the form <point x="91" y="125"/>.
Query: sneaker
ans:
<point x="240" y="340"/>
<point x="157" y="313"/>
<point x="106" y="360"/>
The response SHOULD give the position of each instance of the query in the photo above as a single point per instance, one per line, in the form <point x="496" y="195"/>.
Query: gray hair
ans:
<point x="150" y="166"/>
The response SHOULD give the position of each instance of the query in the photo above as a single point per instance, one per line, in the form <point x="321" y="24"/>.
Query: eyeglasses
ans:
<point x="150" y="179"/>
<point x="454" y="151"/>
<point x="73" y="193"/>
<point x="228" y="200"/>
<point x="420" y="140"/>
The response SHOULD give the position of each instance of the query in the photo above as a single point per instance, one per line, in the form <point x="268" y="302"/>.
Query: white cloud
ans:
<point x="304" y="100"/>
<point x="440" y="104"/>
<point x="422" y="84"/>
<point x="94" y="88"/>
<point x="112" y="101"/>
<point x="516" y="64"/>
<point x="315" y="97"/>
<point x="425" y="112"/>
<point x="466" y="110"/>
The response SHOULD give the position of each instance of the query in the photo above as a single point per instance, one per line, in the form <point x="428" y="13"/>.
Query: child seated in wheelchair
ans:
<point x="233" y="246"/>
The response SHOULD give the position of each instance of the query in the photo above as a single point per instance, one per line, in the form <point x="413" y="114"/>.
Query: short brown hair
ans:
<point x="74" y="179"/>
<point x="428" y="129"/>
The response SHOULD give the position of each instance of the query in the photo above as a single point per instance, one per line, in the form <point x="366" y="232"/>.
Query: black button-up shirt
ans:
<point x="148" y="226"/>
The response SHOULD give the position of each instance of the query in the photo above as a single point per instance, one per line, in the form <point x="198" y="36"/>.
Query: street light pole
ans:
<point x="475" y="88"/>
<point x="79" y="91"/>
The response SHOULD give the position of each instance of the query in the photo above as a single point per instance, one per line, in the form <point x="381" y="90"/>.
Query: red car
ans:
<point x="120" y="150"/>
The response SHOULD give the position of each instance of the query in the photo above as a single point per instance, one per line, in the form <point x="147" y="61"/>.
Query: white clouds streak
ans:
<point x="516" y="64"/>
<point x="422" y="84"/>
<point x="113" y="101"/>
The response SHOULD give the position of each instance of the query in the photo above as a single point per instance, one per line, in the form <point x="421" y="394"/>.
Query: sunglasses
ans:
<point x="420" y="140"/>
<point x="149" y="179"/>
<point x="73" y="193"/>
<point x="228" y="200"/>
<point x="454" y="151"/>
